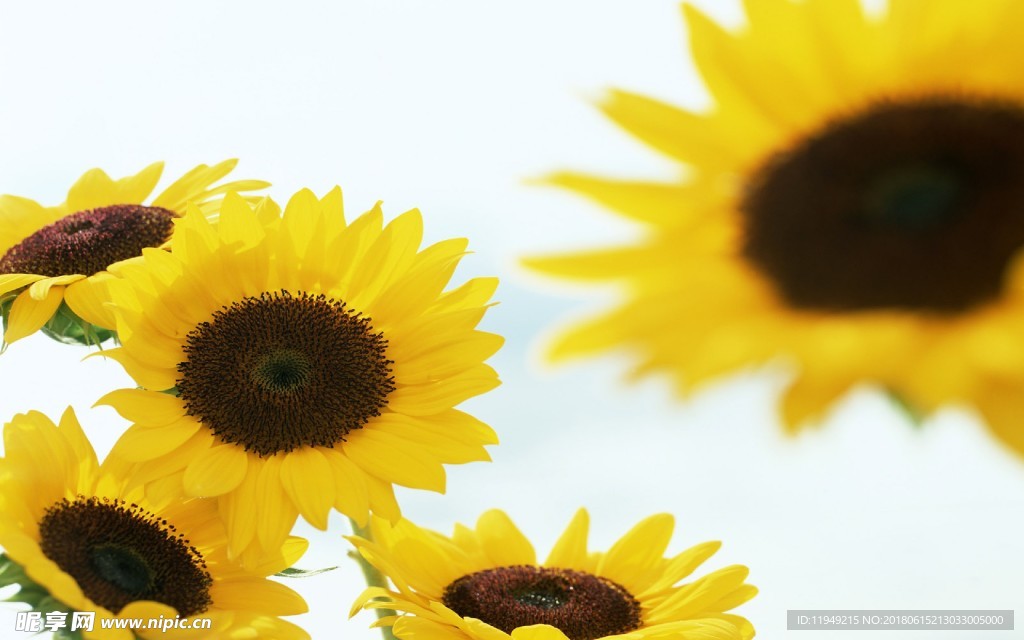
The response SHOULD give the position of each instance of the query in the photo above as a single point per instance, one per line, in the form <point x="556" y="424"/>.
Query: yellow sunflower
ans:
<point x="486" y="584"/>
<point x="852" y="201"/>
<point x="54" y="260"/>
<point x="313" y="364"/>
<point x="76" y="541"/>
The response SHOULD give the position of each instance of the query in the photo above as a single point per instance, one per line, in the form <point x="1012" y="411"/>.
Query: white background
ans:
<point x="449" y="105"/>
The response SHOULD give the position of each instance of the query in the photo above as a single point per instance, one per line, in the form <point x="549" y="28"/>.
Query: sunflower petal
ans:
<point x="28" y="314"/>
<point x="216" y="471"/>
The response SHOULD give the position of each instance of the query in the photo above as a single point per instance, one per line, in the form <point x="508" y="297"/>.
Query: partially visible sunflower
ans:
<point x="853" y="201"/>
<point x="313" y="364"/>
<point x="76" y="541"/>
<point x="54" y="260"/>
<point x="486" y="584"/>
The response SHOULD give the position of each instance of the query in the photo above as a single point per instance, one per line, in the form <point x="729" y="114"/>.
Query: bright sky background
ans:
<point x="449" y="105"/>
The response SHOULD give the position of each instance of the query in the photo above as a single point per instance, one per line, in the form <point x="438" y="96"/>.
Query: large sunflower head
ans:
<point x="486" y="584"/>
<point x="77" y="541"/>
<point x="853" y="201"/>
<point x="313" y="363"/>
<point x="54" y="260"/>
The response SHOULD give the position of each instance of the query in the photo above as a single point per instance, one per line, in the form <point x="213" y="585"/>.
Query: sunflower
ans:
<point x="852" y="202"/>
<point x="313" y="364"/>
<point x="76" y="541"/>
<point x="54" y="260"/>
<point x="486" y="584"/>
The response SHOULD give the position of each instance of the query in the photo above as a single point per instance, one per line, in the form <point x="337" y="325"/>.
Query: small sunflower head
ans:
<point x="55" y="261"/>
<point x="581" y="605"/>
<point x="78" y="540"/>
<point x="487" y="583"/>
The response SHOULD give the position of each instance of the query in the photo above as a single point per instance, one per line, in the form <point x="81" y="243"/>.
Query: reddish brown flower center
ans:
<point x="88" y="242"/>
<point x="581" y="605"/>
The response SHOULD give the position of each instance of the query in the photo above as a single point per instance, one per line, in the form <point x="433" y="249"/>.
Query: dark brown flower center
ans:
<point x="119" y="553"/>
<point x="88" y="242"/>
<point x="581" y="605"/>
<point x="279" y="371"/>
<point x="916" y="206"/>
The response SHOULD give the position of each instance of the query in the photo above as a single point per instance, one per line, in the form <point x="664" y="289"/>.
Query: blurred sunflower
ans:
<point x="313" y="363"/>
<point x="853" y="201"/>
<point x="54" y="260"/>
<point x="486" y="584"/>
<point x="75" y="541"/>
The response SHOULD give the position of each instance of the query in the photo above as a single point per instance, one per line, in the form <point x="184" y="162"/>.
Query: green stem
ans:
<point x="373" y="576"/>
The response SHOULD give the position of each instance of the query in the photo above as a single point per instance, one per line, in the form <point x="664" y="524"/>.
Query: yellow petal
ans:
<point x="697" y="596"/>
<point x="351" y="496"/>
<point x="427" y="399"/>
<point x="308" y="481"/>
<point x="699" y="140"/>
<point x="28" y="315"/>
<point x="257" y="594"/>
<point x="12" y="281"/>
<point x="147" y="609"/>
<point x="665" y="204"/>
<point x="809" y="398"/>
<point x="388" y="257"/>
<point x="538" y="632"/>
<point x="413" y="628"/>
<point x="151" y="408"/>
<point x="135" y="189"/>
<point x="149" y="377"/>
<point x="390" y="458"/>
<point x="451" y="438"/>
<point x="291" y="552"/>
<point x="638" y="551"/>
<point x="237" y="225"/>
<point x="332" y="206"/>
<point x="570" y="552"/>
<point x="142" y="443"/>
<point x="502" y="541"/>
<point x="684" y="564"/>
<point x="93" y="189"/>
<point x="732" y="76"/>
<point x="191" y="185"/>
<point x="89" y="298"/>
<point x="277" y="514"/>
<point x="382" y="499"/>
<point x="20" y="218"/>
<point x="216" y="471"/>
<point x="239" y="509"/>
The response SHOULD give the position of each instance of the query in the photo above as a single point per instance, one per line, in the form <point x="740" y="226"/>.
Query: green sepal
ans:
<point x="67" y="328"/>
<point x="6" y="301"/>
<point x="29" y="591"/>
<point x="914" y="414"/>
<point x="10" y="571"/>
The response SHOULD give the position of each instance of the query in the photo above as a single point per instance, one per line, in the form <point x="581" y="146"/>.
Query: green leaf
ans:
<point x="292" y="572"/>
<point x="67" y="634"/>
